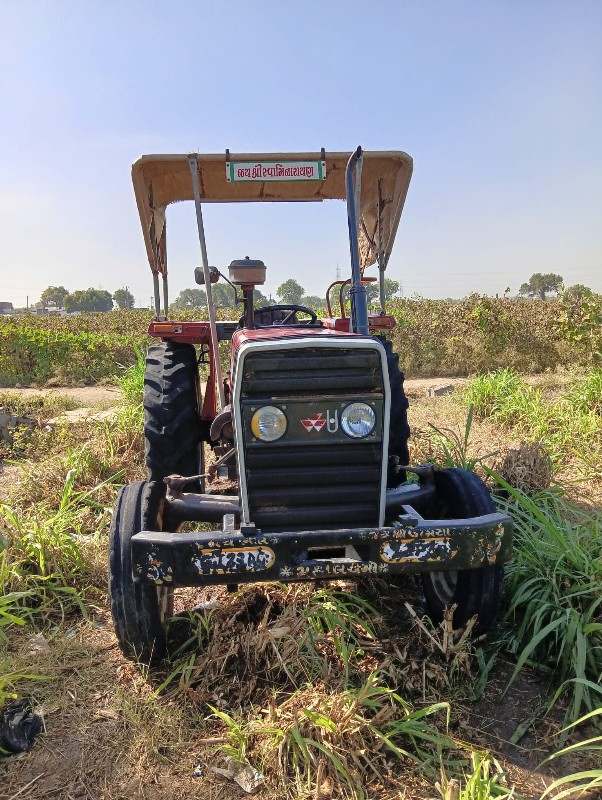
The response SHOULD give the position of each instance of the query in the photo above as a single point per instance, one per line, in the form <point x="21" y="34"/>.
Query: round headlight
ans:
<point x="358" y="420"/>
<point x="268" y="424"/>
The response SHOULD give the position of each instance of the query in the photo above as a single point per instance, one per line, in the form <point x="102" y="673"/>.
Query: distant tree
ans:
<point x="312" y="301"/>
<point x="259" y="298"/>
<point x="290" y="292"/>
<point x="190" y="299"/>
<point x="53" y="294"/>
<point x="223" y="295"/>
<point x="578" y="291"/>
<point x="124" y="298"/>
<point x="89" y="300"/>
<point x="373" y="291"/>
<point x="540" y="284"/>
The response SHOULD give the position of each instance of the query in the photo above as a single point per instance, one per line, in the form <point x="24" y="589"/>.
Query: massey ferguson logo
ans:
<point x="318" y="421"/>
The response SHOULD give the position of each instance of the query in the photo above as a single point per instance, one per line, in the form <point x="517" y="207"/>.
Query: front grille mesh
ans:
<point x="322" y="484"/>
<point x="312" y="372"/>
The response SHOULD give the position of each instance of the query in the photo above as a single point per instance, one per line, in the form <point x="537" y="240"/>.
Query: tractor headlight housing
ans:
<point x="358" y="420"/>
<point x="268" y="424"/>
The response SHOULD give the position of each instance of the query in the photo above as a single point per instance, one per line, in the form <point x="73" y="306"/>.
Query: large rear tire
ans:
<point x="172" y="430"/>
<point x="140" y="611"/>
<point x="399" y="429"/>
<point x="474" y="591"/>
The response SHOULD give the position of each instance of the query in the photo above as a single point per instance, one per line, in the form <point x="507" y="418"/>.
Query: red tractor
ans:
<point x="310" y="421"/>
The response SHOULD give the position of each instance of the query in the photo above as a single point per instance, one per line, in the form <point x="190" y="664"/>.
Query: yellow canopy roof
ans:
<point x="163" y="179"/>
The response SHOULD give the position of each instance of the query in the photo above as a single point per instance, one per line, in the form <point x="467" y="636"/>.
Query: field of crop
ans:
<point x="343" y="691"/>
<point x="433" y="337"/>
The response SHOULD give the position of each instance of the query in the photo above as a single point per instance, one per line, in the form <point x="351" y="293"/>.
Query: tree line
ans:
<point x="541" y="284"/>
<point x="85" y="299"/>
<point x="288" y="293"/>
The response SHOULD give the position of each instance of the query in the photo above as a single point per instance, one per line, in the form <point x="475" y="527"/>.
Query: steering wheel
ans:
<point x="287" y="315"/>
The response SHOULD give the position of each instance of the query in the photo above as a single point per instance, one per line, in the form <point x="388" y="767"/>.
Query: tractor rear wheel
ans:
<point x="172" y="412"/>
<point x="140" y="611"/>
<point x="399" y="429"/>
<point x="477" y="591"/>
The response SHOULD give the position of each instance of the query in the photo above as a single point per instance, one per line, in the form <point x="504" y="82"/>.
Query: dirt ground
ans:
<point x="97" y="396"/>
<point x="86" y="396"/>
<point x="96" y="699"/>
<point x="108" y="737"/>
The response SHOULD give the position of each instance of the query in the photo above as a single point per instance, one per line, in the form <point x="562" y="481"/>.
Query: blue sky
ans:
<point x="499" y="104"/>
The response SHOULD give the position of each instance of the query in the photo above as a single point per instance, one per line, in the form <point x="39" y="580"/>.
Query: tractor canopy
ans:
<point x="274" y="177"/>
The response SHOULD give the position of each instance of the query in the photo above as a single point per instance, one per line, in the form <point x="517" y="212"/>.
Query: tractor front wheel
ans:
<point x="140" y="611"/>
<point x="463" y="494"/>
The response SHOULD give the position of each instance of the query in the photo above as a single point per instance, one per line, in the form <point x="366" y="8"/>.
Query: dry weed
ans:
<point x="527" y="467"/>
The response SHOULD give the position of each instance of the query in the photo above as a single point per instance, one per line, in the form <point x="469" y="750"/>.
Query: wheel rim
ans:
<point x="444" y="584"/>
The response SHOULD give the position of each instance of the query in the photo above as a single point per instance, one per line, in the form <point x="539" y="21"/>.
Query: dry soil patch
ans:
<point x="93" y="396"/>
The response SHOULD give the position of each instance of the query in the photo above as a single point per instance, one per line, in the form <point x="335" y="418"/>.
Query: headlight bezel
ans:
<point x="345" y="423"/>
<point x="255" y="423"/>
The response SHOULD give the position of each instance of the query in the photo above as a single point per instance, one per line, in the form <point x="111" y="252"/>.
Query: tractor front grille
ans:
<point x="312" y="372"/>
<point x="318" y="480"/>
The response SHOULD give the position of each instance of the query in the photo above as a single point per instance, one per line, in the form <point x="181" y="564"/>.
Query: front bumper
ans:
<point x="226" y="557"/>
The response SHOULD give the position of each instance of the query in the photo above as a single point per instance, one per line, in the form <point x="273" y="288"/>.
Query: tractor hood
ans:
<point x="163" y="179"/>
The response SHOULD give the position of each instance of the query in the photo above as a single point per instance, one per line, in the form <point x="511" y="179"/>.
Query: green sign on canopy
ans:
<point x="239" y="171"/>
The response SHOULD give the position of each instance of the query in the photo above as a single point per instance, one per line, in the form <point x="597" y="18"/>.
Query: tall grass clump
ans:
<point x="586" y="395"/>
<point x="582" y="783"/>
<point x="504" y="397"/>
<point x="570" y="429"/>
<point x="131" y="382"/>
<point x="42" y="565"/>
<point x="553" y="585"/>
<point x="485" y="781"/>
<point x="455" y="447"/>
<point x="339" y="744"/>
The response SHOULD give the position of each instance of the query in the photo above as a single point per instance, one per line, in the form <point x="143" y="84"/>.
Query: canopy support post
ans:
<point x="381" y="285"/>
<point x="165" y="296"/>
<point x="359" y="304"/>
<point x="380" y="253"/>
<point x="192" y="163"/>
<point x="157" y="296"/>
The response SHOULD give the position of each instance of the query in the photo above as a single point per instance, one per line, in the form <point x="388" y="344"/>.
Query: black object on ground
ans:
<point x="19" y="727"/>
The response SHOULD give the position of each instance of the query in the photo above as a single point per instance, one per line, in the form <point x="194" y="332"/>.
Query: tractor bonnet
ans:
<point x="163" y="179"/>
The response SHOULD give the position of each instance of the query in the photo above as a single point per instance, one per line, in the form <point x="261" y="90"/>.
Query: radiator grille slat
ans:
<point x="321" y="484"/>
<point x="311" y="371"/>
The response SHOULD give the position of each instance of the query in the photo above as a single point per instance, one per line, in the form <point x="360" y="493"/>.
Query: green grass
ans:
<point x="324" y="704"/>
<point x="579" y="784"/>
<point x="455" y="447"/>
<point x="570" y="428"/>
<point x="586" y="394"/>
<point x="349" y="738"/>
<point x="37" y="406"/>
<point x="554" y="603"/>
<point x="41" y="560"/>
<point x="131" y="413"/>
<point x="131" y="382"/>
<point x="484" y="781"/>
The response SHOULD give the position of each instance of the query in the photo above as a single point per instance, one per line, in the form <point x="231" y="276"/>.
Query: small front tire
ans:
<point x="140" y="611"/>
<point x="477" y="591"/>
